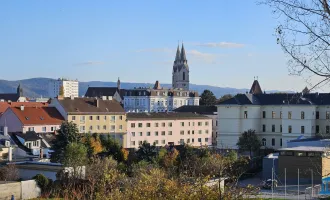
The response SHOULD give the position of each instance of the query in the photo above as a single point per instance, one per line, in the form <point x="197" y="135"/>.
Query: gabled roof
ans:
<point x="101" y="91"/>
<point x="255" y="88"/>
<point x="90" y="105"/>
<point x="9" y="96"/>
<point x="38" y="115"/>
<point x="28" y="136"/>
<point x="279" y="99"/>
<point x="164" y="116"/>
<point x="5" y="105"/>
<point x="204" y="110"/>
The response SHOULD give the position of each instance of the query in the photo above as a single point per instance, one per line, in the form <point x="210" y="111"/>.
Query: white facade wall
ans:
<point x="70" y="88"/>
<point x="157" y="103"/>
<point x="232" y="123"/>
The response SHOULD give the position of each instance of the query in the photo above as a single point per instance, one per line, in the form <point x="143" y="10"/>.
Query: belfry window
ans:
<point x="184" y="75"/>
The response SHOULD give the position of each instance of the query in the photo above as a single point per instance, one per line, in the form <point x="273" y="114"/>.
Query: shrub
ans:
<point x="41" y="180"/>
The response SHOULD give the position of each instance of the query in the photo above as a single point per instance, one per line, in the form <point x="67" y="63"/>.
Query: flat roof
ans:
<point x="305" y="148"/>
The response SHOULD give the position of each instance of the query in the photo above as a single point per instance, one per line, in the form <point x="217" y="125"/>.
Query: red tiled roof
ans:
<point x="5" y="105"/>
<point x="38" y="115"/>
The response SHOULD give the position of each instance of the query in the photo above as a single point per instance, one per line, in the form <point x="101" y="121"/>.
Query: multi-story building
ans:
<point x="94" y="115"/>
<point x="23" y="119"/>
<point x="209" y="111"/>
<point x="168" y="129"/>
<point x="158" y="99"/>
<point x="69" y="87"/>
<point x="276" y="118"/>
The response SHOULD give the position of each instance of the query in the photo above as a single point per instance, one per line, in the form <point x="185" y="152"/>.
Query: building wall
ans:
<point x="70" y="88"/>
<point x="232" y="123"/>
<point x="9" y="119"/>
<point x="157" y="103"/>
<point x="105" y="124"/>
<point x="41" y="128"/>
<point x="304" y="164"/>
<point x="190" y="132"/>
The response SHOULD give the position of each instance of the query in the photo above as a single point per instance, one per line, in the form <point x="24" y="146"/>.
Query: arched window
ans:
<point x="184" y="75"/>
<point x="264" y="143"/>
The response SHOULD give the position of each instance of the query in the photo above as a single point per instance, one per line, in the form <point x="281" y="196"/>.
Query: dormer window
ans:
<point x="42" y="118"/>
<point x="157" y="93"/>
<point x="27" y="118"/>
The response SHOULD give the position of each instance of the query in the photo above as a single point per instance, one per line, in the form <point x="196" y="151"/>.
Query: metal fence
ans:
<point x="312" y="192"/>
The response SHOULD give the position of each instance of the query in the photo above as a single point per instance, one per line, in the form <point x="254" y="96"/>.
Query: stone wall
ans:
<point x="20" y="190"/>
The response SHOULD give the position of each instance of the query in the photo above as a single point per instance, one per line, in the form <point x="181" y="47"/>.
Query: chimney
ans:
<point x="22" y="108"/>
<point x="97" y="102"/>
<point x="72" y="97"/>
<point x="10" y="154"/>
<point x="5" y="131"/>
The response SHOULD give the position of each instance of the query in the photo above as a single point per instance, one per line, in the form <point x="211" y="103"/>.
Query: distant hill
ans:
<point x="37" y="87"/>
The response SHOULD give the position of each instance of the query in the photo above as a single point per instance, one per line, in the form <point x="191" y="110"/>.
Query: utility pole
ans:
<point x="272" y="182"/>
<point x="298" y="183"/>
<point x="285" y="183"/>
<point x="312" y="182"/>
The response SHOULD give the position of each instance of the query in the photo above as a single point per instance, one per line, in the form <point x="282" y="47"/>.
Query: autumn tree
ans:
<point x="303" y="34"/>
<point x="207" y="98"/>
<point x="75" y="156"/>
<point x="67" y="134"/>
<point x="249" y="141"/>
<point x="61" y="92"/>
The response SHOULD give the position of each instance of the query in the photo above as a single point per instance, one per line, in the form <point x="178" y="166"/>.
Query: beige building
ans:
<point x="163" y="129"/>
<point x="94" y="115"/>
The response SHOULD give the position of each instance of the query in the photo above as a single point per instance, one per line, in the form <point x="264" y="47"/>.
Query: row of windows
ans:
<point x="43" y="129"/>
<point x="83" y="118"/>
<point x="32" y="144"/>
<point x="140" y="125"/>
<point x="302" y="129"/>
<point x="302" y="114"/>
<point x="156" y="133"/>
<point x="264" y="142"/>
<point x="91" y="128"/>
<point x="163" y="142"/>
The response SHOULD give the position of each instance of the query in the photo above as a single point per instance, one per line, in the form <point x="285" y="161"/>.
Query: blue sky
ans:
<point x="227" y="42"/>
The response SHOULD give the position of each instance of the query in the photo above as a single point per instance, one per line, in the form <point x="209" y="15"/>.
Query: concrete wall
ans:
<point x="20" y="190"/>
<point x="190" y="135"/>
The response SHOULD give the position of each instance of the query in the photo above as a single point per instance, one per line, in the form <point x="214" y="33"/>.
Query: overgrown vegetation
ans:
<point x="169" y="172"/>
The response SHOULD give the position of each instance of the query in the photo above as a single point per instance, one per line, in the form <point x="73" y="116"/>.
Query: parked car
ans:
<point x="268" y="184"/>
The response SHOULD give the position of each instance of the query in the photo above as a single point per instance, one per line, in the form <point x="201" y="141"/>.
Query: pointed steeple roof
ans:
<point x="157" y="86"/>
<point x="255" y="88"/>
<point x="183" y="53"/>
<point x="177" y="57"/>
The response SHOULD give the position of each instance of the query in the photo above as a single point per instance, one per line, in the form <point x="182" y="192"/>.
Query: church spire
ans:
<point x="177" y="57"/>
<point x="118" y="84"/>
<point x="183" y="54"/>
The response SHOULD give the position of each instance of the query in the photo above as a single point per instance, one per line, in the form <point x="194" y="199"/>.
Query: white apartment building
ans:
<point x="276" y="118"/>
<point x="158" y="99"/>
<point x="70" y="88"/>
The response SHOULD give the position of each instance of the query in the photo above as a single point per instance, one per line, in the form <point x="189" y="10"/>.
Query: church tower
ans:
<point x="180" y="74"/>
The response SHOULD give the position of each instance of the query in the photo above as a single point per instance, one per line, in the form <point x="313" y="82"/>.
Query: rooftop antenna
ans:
<point x="257" y="77"/>
<point x="254" y="78"/>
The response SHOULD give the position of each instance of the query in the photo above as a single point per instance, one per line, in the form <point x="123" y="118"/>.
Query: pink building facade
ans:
<point x="20" y="119"/>
<point x="168" y="128"/>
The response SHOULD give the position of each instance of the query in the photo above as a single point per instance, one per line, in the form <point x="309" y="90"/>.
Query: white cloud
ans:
<point x="90" y="63"/>
<point x="221" y="44"/>
<point x="207" y="57"/>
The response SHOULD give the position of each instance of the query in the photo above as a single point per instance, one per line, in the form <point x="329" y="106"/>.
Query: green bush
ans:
<point x="41" y="180"/>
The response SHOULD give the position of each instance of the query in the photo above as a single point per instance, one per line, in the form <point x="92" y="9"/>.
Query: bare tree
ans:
<point x="304" y="34"/>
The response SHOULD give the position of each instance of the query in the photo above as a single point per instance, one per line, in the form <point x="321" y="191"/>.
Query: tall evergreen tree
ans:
<point x="67" y="134"/>
<point x="207" y="98"/>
